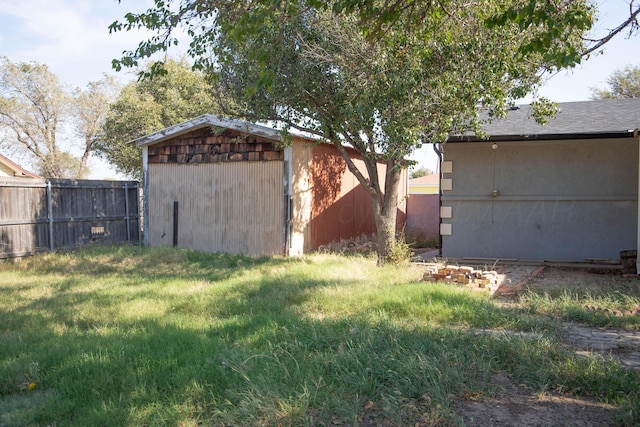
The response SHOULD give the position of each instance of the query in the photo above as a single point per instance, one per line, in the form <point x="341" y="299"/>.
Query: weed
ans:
<point x="133" y="336"/>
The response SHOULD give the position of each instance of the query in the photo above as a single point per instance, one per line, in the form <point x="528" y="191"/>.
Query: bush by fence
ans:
<point x="39" y="215"/>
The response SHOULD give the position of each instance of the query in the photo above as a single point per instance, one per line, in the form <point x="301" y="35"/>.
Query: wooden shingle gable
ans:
<point x="208" y="146"/>
<point x="208" y="121"/>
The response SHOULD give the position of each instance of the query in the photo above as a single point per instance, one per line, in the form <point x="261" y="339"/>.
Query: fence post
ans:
<point x="138" y="211"/>
<point x="50" y="215"/>
<point x="126" y="212"/>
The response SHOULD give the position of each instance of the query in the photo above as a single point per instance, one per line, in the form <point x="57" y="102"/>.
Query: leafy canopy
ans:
<point x="443" y="58"/>
<point x="151" y="104"/>
<point x="623" y="83"/>
<point x="381" y="78"/>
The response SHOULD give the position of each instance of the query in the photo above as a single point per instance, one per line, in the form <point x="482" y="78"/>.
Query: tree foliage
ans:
<point x="420" y="172"/>
<point x="90" y="109"/>
<point x="379" y="79"/>
<point x="151" y="104"/>
<point x="623" y="83"/>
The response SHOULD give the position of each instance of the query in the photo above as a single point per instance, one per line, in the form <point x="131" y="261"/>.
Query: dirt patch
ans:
<point x="554" y="279"/>
<point x="513" y="404"/>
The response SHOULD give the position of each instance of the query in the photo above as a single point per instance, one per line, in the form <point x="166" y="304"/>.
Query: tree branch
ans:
<point x="631" y="21"/>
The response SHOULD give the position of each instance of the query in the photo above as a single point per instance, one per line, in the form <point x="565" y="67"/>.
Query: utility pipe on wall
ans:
<point x="438" y="150"/>
<point x="145" y="195"/>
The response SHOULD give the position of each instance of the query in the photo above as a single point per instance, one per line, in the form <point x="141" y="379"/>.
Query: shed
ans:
<point x="567" y="190"/>
<point x="220" y="185"/>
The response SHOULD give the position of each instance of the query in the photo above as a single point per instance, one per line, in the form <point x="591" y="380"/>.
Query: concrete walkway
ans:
<point x="620" y="344"/>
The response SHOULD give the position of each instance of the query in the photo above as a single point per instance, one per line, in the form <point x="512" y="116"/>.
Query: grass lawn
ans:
<point x="126" y="336"/>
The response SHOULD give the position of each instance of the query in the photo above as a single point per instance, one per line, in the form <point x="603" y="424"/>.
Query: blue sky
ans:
<point x="72" y="38"/>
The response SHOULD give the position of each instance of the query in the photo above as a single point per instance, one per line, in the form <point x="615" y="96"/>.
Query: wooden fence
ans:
<point x="39" y="215"/>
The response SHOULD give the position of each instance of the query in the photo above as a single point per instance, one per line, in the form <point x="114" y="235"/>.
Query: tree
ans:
<point x="66" y="165"/>
<point x="90" y="109"/>
<point x="418" y="74"/>
<point x="151" y="104"/>
<point x="420" y="172"/>
<point x="622" y="84"/>
<point x="33" y="107"/>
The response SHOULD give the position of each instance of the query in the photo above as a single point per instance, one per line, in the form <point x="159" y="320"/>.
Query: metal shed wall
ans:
<point x="234" y="207"/>
<point x="301" y="197"/>
<point x="341" y="206"/>
<point x="554" y="200"/>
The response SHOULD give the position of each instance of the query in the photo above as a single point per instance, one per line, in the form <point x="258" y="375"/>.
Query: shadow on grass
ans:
<point x="245" y="352"/>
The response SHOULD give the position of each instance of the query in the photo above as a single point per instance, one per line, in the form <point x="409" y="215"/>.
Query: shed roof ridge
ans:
<point x="207" y="120"/>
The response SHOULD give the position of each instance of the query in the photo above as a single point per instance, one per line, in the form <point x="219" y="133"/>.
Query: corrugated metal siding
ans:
<point x="301" y="197"/>
<point x="423" y="217"/>
<point x="225" y="207"/>
<point x="342" y="208"/>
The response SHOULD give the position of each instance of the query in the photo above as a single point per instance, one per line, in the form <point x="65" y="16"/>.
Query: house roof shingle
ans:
<point x="430" y="179"/>
<point x="613" y="117"/>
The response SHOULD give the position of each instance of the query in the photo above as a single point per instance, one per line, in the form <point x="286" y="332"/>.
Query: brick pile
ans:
<point x="463" y="275"/>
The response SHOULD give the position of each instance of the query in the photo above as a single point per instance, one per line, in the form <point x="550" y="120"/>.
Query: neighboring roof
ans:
<point x="15" y="169"/>
<point x="575" y="120"/>
<point x="431" y="179"/>
<point x="204" y="121"/>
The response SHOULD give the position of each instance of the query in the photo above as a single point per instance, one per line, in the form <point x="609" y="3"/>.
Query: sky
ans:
<point x="72" y="38"/>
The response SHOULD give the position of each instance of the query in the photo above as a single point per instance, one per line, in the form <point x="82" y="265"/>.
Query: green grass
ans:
<point x="611" y="303"/>
<point x="129" y="336"/>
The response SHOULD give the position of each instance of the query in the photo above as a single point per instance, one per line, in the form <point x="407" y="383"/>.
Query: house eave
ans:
<point x="542" y="137"/>
<point x="17" y="170"/>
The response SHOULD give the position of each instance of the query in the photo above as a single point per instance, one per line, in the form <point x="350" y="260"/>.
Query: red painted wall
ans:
<point x="423" y="217"/>
<point x="341" y="207"/>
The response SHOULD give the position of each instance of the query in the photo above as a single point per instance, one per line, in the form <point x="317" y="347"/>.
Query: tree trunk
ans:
<point x="384" y="200"/>
<point x="386" y="214"/>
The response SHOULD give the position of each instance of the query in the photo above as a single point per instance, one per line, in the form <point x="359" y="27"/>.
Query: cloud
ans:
<point x="70" y="36"/>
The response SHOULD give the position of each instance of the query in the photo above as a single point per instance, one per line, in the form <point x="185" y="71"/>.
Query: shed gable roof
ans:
<point x="207" y="120"/>
<point x="575" y="120"/>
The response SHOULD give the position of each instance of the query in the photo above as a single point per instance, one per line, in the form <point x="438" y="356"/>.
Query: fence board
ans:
<point x="37" y="215"/>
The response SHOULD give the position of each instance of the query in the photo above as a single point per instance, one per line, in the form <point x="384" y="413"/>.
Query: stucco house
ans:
<point x="222" y="185"/>
<point x="567" y="190"/>
<point x="423" y="206"/>
<point x="11" y="169"/>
